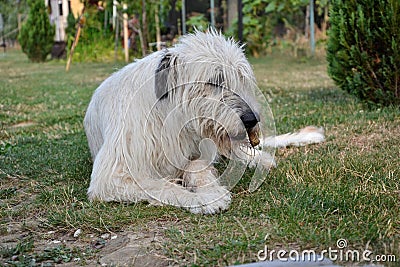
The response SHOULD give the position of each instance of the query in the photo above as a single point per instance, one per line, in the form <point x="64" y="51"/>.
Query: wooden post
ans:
<point x="212" y="6"/>
<point x="115" y="18"/>
<point x="81" y="21"/>
<point x="116" y="38"/>
<point x="158" y="32"/>
<point x="126" y="45"/>
<point x="325" y="22"/>
<point x="142" y="42"/>
<point x="312" y="30"/>
<point x="183" y="17"/>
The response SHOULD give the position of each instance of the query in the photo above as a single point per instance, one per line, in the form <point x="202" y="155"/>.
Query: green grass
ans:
<point x="347" y="187"/>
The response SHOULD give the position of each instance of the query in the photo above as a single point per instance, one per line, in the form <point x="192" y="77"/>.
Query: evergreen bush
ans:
<point x="363" y="49"/>
<point x="37" y="34"/>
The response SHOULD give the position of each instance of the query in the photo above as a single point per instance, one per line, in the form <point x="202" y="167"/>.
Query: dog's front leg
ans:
<point x="201" y="178"/>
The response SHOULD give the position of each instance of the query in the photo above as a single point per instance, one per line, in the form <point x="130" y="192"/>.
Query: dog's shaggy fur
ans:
<point x="156" y="127"/>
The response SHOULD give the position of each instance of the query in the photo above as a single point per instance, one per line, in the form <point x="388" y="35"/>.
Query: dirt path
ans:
<point x="139" y="247"/>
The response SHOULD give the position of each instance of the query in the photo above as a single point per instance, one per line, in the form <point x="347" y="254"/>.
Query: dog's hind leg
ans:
<point x="93" y="132"/>
<point x="110" y="179"/>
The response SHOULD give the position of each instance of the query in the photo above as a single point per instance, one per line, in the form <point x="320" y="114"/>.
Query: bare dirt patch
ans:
<point x="139" y="247"/>
<point x="23" y="125"/>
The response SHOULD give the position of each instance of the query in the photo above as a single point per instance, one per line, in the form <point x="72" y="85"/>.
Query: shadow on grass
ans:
<point x="329" y="95"/>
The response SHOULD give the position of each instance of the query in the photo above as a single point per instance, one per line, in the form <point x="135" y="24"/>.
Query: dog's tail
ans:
<point x="307" y="135"/>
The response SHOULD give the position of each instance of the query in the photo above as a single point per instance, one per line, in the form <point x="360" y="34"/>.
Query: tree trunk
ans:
<point x="307" y="23"/>
<point x="225" y="15"/>
<point x="145" y="31"/>
<point x="324" y="25"/>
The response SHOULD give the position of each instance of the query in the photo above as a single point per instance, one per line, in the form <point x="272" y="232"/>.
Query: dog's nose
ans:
<point x="249" y="119"/>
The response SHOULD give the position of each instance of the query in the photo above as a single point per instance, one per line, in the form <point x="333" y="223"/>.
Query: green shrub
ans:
<point x="257" y="29"/>
<point x="363" y="50"/>
<point x="37" y="34"/>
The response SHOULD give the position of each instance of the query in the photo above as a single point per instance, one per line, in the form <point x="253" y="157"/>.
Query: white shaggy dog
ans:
<point x="156" y="127"/>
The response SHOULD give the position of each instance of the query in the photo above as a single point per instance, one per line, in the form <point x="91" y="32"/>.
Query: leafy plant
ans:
<point x="260" y="17"/>
<point x="256" y="26"/>
<point x="363" y="49"/>
<point x="37" y="34"/>
<point x="95" y="43"/>
<point x="198" y="21"/>
<point x="22" y="247"/>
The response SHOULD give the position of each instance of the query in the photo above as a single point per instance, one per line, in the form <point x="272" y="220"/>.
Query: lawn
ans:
<point x="345" y="188"/>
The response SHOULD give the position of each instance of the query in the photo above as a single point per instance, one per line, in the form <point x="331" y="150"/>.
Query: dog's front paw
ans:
<point x="211" y="201"/>
<point x="199" y="174"/>
<point x="210" y="197"/>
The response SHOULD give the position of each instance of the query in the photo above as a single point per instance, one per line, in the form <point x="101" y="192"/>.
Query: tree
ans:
<point x="363" y="50"/>
<point x="37" y="34"/>
<point x="11" y="11"/>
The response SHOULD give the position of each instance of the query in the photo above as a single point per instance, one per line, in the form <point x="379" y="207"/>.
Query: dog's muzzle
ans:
<point x="250" y="121"/>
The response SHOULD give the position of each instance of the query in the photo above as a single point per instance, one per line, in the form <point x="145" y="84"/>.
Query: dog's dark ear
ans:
<point x="220" y="79"/>
<point x="217" y="80"/>
<point x="161" y="76"/>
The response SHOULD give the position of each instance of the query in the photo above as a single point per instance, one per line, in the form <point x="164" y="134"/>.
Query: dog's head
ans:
<point x="211" y="80"/>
